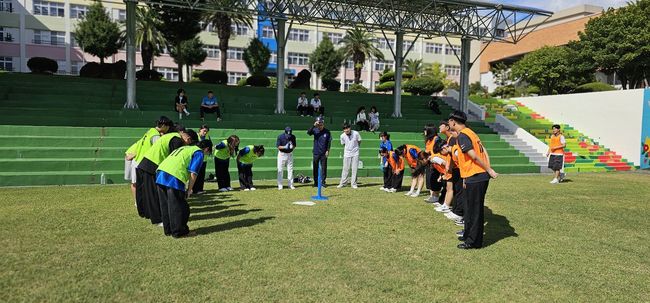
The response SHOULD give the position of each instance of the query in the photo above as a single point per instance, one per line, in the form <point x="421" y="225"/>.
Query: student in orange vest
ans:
<point x="458" y="201"/>
<point x="395" y="164"/>
<point x="556" y="153"/>
<point x="431" y="174"/>
<point x="411" y="154"/>
<point x="441" y="162"/>
<point x="475" y="170"/>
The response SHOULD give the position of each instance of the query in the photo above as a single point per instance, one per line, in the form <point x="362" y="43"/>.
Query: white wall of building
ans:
<point x="611" y="118"/>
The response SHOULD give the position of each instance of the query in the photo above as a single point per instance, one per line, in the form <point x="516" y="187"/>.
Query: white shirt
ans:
<point x="303" y="101"/>
<point x="361" y="116"/>
<point x="351" y="143"/>
<point x="315" y="103"/>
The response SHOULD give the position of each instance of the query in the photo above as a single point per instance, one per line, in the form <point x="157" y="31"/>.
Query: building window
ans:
<point x="78" y="11"/>
<point x="298" y="59"/>
<point x="383" y="65"/>
<point x="5" y="35"/>
<point x="119" y="15"/>
<point x="383" y="43"/>
<point x="46" y="8"/>
<point x="235" y="53"/>
<point x="75" y="66"/>
<point x="433" y="48"/>
<point x="349" y="64"/>
<point x="299" y="35"/>
<point x="335" y="37"/>
<point x="274" y="58"/>
<point x="347" y="85"/>
<point x="239" y="29"/>
<point x="408" y="44"/>
<point x="73" y="41"/>
<point x="212" y="50"/>
<point x="7" y="63"/>
<point x="452" y="70"/>
<point x="48" y="37"/>
<point x="449" y="50"/>
<point x="61" y="70"/>
<point x="235" y="77"/>
<point x="267" y="32"/>
<point x="6" y="6"/>
<point x="170" y="74"/>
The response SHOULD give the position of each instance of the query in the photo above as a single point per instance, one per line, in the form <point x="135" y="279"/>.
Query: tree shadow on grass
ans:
<point x="223" y="214"/>
<point x="231" y="225"/>
<point x="196" y="210"/>
<point x="497" y="228"/>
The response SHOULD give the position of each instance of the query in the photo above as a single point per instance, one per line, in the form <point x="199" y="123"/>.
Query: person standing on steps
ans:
<point x="285" y="143"/>
<point x="321" y="149"/>
<point x="351" y="141"/>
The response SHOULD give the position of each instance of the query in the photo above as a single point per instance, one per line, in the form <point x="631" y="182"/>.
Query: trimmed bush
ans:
<point x="593" y="87"/>
<point x="357" y="88"/>
<point x="148" y="75"/>
<point x="42" y="65"/>
<point x="390" y="76"/>
<point x="331" y="85"/>
<point x="302" y="80"/>
<point x="115" y="70"/>
<point x="386" y="86"/>
<point x="424" y="86"/>
<point x="242" y="82"/>
<point x="213" y="76"/>
<point x="258" y="81"/>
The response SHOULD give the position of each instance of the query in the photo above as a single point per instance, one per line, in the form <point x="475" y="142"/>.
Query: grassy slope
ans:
<point x="587" y="242"/>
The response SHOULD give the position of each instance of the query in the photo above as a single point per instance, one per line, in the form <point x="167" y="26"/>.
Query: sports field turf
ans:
<point x="581" y="241"/>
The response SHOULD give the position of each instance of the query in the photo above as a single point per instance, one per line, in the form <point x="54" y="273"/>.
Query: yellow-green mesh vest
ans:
<point x="178" y="161"/>
<point x="160" y="150"/>
<point x="145" y="144"/>
<point x="207" y="137"/>
<point x="223" y="153"/>
<point x="133" y="149"/>
<point x="250" y="157"/>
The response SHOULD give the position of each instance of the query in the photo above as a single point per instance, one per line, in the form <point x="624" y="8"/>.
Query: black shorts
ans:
<point x="555" y="162"/>
<point x="418" y="170"/>
<point x="432" y="179"/>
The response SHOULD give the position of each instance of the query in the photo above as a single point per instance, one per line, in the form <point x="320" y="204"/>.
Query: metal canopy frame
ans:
<point x="465" y="19"/>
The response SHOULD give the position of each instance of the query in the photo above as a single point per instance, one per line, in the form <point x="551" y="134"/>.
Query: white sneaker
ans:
<point x="224" y="189"/>
<point x="562" y="177"/>
<point x="339" y="186"/>
<point x="431" y="199"/>
<point x="409" y="193"/>
<point x="160" y="224"/>
<point x="247" y="189"/>
<point x="392" y="190"/>
<point x="460" y="222"/>
<point x="292" y="187"/>
<point x="452" y="216"/>
<point x="415" y="194"/>
<point x="229" y="188"/>
<point x="436" y="204"/>
<point x="382" y="188"/>
<point x="443" y="209"/>
<point x="253" y="188"/>
<point x="187" y="113"/>
<point x="554" y="181"/>
<point x="279" y="187"/>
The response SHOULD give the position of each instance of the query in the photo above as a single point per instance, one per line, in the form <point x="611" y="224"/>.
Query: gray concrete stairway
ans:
<point x="534" y="156"/>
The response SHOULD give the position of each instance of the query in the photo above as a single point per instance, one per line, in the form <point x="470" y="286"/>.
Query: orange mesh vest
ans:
<point x="555" y="142"/>
<point x="467" y="166"/>
<point x="398" y="165"/>
<point x="413" y="162"/>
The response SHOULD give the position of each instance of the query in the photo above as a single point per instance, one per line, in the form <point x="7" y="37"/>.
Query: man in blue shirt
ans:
<point x="285" y="143"/>
<point x="322" y="143"/>
<point x="210" y="105"/>
<point x="175" y="178"/>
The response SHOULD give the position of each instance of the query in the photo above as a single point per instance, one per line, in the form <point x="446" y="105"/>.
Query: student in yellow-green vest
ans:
<point x="200" y="179"/>
<point x="129" y="167"/>
<point x="149" y="164"/>
<point x="175" y="178"/>
<point x="162" y="126"/>
<point x="245" y="159"/>
<point x="223" y="151"/>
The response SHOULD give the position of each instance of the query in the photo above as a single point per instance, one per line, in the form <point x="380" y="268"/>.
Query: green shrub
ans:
<point x="423" y="86"/>
<point x="386" y="86"/>
<point x="242" y="82"/>
<point x="213" y="76"/>
<point x="506" y="91"/>
<point x="331" y="85"/>
<point x="357" y="88"/>
<point x="258" y="81"/>
<point x="390" y="76"/>
<point x="115" y="70"/>
<point x="593" y="87"/>
<point x="148" y="75"/>
<point x="302" y="80"/>
<point x="42" y="65"/>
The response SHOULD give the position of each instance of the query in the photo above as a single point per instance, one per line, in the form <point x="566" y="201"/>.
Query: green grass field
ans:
<point x="582" y="241"/>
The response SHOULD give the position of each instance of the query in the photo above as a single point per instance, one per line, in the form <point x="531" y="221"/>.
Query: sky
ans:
<point x="556" y="5"/>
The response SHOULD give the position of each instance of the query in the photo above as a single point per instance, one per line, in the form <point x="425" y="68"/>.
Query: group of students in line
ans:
<point x="456" y="171"/>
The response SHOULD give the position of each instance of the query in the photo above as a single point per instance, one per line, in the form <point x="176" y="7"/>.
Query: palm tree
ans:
<point x="147" y="36"/>
<point x="414" y="66"/>
<point x="223" y="21"/>
<point x="359" y="44"/>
